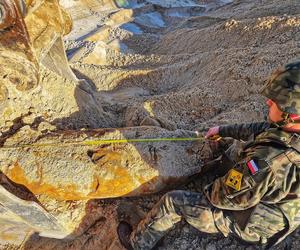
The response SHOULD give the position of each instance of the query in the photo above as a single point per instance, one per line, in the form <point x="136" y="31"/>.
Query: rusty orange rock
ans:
<point x="104" y="171"/>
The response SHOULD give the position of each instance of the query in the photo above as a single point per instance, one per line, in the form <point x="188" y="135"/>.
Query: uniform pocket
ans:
<point x="244" y="188"/>
<point x="266" y="220"/>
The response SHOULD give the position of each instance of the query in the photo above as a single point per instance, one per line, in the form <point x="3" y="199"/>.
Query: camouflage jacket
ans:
<point x="273" y="179"/>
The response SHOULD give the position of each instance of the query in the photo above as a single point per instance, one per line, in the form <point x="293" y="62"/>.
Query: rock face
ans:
<point x="82" y="165"/>
<point x="31" y="33"/>
<point x="60" y="169"/>
<point x="19" y="217"/>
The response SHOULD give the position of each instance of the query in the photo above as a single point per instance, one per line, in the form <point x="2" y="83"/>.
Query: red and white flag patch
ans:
<point x="252" y="167"/>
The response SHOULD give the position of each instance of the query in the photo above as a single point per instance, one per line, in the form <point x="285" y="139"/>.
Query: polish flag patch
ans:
<point x="252" y="167"/>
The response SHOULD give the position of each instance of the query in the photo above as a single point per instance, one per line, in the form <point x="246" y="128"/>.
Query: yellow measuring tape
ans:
<point x="99" y="142"/>
<point x="107" y="141"/>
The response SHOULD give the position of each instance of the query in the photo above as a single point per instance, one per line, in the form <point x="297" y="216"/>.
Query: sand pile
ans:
<point x="172" y="64"/>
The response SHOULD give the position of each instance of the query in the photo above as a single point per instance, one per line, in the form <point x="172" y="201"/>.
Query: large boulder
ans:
<point x="45" y="172"/>
<point x="74" y="165"/>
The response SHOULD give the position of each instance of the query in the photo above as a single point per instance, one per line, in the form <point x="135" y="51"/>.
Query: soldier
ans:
<point x="257" y="200"/>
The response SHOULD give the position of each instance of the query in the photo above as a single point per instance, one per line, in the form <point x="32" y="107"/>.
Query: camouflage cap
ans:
<point x="283" y="88"/>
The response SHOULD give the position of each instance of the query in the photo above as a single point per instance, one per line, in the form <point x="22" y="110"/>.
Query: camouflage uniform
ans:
<point x="261" y="208"/>
<point x="258" y="199"/>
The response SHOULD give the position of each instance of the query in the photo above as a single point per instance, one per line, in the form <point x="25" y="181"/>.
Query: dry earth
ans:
<point x="177" y="67"/>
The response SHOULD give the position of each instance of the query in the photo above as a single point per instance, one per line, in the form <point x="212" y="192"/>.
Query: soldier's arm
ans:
<point x="244" y="130"/>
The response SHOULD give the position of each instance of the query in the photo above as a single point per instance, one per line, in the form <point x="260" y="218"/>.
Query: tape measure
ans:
<point x="97" y="142"/>
<point x="107" y="141"/>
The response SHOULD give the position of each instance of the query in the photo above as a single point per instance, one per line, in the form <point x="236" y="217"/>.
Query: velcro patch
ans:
<point x="252" y="167"/>
<point x="234" y="179"/>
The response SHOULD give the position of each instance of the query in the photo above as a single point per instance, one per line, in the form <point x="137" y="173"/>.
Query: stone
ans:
<point x="18" y="217"/>
<point x="133" y="28"/>
<point x="173" y="3"/>
<point x="75" y="165"/>
<point x="151" y="20"/>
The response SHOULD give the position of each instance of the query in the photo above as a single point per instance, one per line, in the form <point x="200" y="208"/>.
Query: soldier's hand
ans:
<point x="212" y="132"/>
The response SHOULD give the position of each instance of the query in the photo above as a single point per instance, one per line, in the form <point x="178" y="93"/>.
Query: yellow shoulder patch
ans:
<point x="234" y="179"/>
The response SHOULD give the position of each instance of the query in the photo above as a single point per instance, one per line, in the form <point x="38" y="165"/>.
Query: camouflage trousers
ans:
<point x="173" y="207"/>
<point x="195" y="209"/>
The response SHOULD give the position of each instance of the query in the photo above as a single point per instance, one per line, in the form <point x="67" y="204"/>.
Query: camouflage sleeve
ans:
<point x="250" y="193"/>
<point x="244" y="130"/>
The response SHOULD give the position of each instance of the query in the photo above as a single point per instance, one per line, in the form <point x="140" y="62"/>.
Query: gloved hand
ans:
<point x="212" y="132"/>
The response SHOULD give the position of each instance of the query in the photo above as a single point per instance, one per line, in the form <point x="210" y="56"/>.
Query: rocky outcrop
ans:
<point x="71" y="166"/>
<point x="88" y="164"/>
<point x="19" y="218"/>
